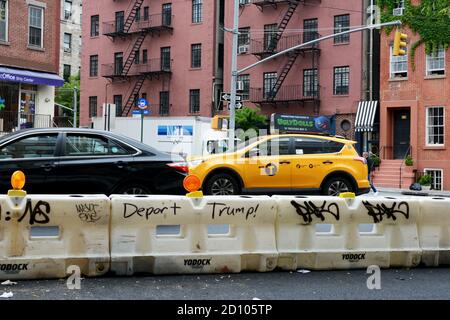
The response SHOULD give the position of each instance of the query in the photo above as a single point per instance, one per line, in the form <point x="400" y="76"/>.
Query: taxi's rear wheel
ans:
<point x="337" y="185"/>
<point x="222" y="184"/>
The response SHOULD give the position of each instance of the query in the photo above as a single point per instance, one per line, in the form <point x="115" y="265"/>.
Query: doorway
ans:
<point x="402" y="129"/>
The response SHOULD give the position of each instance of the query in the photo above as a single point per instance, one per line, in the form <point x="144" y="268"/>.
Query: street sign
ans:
<point x="142" y="104"/>
<point x="139" y="112"/>
<point x="238" y="105"/>
<point x="227" y="97"/>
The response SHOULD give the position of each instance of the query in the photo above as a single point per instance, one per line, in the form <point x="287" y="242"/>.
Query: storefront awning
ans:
<point x="365" y="115"/>
<point x="30" y="77"/>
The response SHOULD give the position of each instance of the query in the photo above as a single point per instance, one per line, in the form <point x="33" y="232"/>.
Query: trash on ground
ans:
<point x="303" y="271"/>
<point x="8" y="283"/>
<point x="6" y="295"/>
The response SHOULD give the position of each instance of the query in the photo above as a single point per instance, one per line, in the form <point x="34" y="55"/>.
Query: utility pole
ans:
<point x="234" y="74"/>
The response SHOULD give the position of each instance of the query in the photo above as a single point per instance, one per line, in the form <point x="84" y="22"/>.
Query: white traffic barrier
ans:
<point x="434" y="231"/>
<point x="177" y="234"/>
<point x="42" y="236"/>
<point x="335" y="233"/>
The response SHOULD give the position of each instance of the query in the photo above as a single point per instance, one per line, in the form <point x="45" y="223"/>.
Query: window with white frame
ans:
<point x="67" y="42"/>
<point x="35" y="26"/>
<point x="197" y="11"/>
<point x="243" y="39"/>
<point x="245" y="78"/>
<point x="435" y="126"/>
<point x="3" y="20"/>
<point x="436" y="62"/>
<point x="398" y="65"/>
<point x="436" y="178"/>
<point x="67" y="9"/>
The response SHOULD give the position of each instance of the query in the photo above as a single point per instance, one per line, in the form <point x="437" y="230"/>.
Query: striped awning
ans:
<point x="365" y="115"/>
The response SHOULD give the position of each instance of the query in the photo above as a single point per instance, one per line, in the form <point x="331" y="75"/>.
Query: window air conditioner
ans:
<point x="240" y="86"/>
<point x="243" y="49"/>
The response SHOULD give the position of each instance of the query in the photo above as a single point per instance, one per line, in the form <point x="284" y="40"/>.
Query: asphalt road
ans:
<point x="418" y="283"/>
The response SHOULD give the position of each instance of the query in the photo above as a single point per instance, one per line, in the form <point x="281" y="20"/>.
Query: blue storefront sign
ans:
<point x="30" y="77"/>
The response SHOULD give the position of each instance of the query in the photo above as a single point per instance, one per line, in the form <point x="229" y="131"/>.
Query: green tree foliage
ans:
<point x="250" y="118"/>
<point x="430" y="19"/>
<point x="64" y="95"/>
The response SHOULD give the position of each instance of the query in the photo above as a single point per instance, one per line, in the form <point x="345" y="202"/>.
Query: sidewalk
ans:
<point x="433" y="193"/>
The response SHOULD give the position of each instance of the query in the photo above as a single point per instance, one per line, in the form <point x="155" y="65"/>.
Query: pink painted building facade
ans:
<point x="323" y="79"/>
<point x="169" y="52"/>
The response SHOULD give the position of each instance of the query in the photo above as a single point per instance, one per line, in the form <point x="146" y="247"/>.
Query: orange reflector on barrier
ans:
<point x="192" y="183"/>
<point x="18" y="180"/>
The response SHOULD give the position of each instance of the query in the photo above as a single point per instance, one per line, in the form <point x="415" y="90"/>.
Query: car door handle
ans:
<point x="285" y="162"/>
<point x="48" y="166"/>
<point x="328" y="162"/>
<point x="121" y="164"/>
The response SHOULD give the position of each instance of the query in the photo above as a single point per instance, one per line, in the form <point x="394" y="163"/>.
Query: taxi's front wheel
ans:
<point x="222" y="184"/>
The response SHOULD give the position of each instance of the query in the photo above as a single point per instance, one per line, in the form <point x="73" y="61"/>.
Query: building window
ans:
<point x="3" y="20"/>
<point x="194" y="101"/>
<point x="398" y="65"/>
<point x="138" y="15"/>
<point x="164" y="103"/>
<point x="310" y="30"/>
<point x="270" y="78"/>
<point x="118" y="63"/>
<point x="144" y="56"/>
<point x="310" y="83"/>
<point x="95" y="25"/>
<point x="436" y="62"/>
<point x="35" y="29"/>
<point x="120" y="21"/>
<point x="436" y="178"/>
<point x="245" y="79"/>
<point x="435" y="126"/>
<point x="137" y="57"/>
<point x="93" y="66"/>
<point x="67" y="9"/>
<point x="197" y="8"/>
<point x="341" y="24"/>
<point x="66" y="72"/>
<point x="196" y="55"/>
<point x="165" y="59"/>
<point x="341" y="80"/>
<point x="67" y="42"/>
<point x="167" y="14"/>
<point x="118" y="102"/>
<point x="92" y="107"/>
<point x="244" y="1"/>
<point x="146" y="14"/>
<point x="243" y="39"/>
<point x="270" y="35"/>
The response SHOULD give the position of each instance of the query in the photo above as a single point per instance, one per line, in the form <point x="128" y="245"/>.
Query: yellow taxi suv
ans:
<point x="288" y="163"/>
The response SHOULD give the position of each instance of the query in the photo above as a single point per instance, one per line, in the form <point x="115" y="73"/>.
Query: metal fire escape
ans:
<point x="278" y="42"/>
<point x="123" y="71"/>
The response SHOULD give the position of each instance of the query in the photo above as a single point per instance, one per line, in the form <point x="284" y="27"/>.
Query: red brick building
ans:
<point x="29" y="62"/>
<point x="415" y="113"/>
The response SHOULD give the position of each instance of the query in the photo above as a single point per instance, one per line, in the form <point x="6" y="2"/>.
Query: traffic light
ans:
<point x="400" y="44"/>
<point x="219" y="122"/>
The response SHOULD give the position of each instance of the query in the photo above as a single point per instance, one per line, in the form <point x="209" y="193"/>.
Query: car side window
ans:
<point x="36" y="146"/>
<point x="274" y="147"/>
<point x="316" y="146"/>
<point x="79" y="145"/>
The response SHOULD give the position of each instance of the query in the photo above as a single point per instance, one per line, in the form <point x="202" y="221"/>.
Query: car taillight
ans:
<point x="179" y="166"/>
<point x="362" y="159"/>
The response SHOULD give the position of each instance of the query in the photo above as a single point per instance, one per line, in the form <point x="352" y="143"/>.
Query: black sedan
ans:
<point x="85" y="161"/>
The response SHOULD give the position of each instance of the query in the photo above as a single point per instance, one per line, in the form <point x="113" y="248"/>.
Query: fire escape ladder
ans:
<point x="293" y="4"/>
<point x="130" y="60"/>
<point x="132" y="98"/>
<point x="287" y="67"/>
<point x="131" y="17"/>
